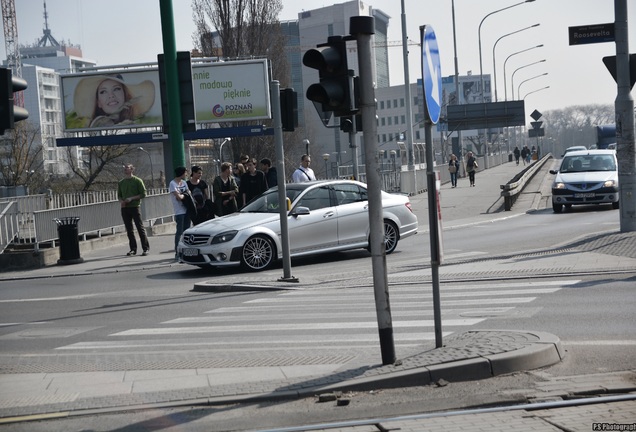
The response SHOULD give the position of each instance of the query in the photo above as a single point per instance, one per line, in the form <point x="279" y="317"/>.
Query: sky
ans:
<point x="124" y="31"/>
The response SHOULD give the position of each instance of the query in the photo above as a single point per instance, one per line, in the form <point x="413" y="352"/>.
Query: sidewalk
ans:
<point x="465" y="356"/>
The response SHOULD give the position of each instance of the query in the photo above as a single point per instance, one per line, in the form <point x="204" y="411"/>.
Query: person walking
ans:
<point x="130" y="191"/>
<point x="517" y="154"/>
<point x="178" y="189"/>
<point x="453" y="169"/>
<point x="225" y="191"/>
<point x="304" y="173"/>
<point x="271" y="175"/>
<point x="471" y="167"/>
<point x="253" y="182"/>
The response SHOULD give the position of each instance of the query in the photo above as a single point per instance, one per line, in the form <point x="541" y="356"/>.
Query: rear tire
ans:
<point x="557" y="207"/>
<point x="391" y="236"/>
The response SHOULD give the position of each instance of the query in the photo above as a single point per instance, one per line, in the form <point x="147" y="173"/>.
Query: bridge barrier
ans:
<point x="514" y="187"/>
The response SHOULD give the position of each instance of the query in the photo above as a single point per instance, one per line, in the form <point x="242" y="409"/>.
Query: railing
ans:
<point x="9" y="225"/>
<point x="98" y="218"/>
<point x="514" y="187"/>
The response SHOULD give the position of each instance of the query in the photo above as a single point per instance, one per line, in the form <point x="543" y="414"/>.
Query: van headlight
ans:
<point x="609" y="183"/>
<point x="558" y="185"/>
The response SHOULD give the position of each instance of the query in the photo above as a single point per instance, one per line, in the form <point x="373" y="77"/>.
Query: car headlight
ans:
<point x="609" y="183"/>
<point x="224" y="237"/>
<point x="558" y="186"/>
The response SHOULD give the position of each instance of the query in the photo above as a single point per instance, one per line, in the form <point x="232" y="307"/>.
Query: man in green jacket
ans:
<point x="130" y="191"/>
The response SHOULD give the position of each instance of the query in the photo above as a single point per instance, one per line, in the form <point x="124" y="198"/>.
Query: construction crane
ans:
<point x="14" y="62"/>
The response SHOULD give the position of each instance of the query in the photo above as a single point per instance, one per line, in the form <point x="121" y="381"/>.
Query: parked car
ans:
<point x="573" y="148"/>
<point x="323" y="216"/>
<point x="586" y="177"/>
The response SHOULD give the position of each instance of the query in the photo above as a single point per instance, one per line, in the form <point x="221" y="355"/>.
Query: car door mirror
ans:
<point x="300" y="210"/>
<point x="553" y="171"/>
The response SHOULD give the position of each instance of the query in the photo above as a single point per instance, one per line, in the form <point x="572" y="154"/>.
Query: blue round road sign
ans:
<point x="431" y="73"/>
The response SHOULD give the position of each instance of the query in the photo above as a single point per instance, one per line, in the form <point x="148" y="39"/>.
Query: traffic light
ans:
<point x="9" y="113"/>
<point x="335" y="91"/>
<point x="289" y="109"/>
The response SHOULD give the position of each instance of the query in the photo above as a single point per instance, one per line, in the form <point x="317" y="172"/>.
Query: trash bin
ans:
<point x="509" y="157"/>
<point x="69" y="240"/>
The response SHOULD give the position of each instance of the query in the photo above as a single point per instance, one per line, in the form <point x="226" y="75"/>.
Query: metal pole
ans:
<point x="274" y="91"/>
<point x="624" y="105"/>
<point x="362" y="27"/>
<point x="354" y="149"/>
<point x="504" y="67"/>
<point x="172" y="83"/>
<point x="152" y="171"/>
<point x="460" y="156"/>
<point x="407" y="96"/>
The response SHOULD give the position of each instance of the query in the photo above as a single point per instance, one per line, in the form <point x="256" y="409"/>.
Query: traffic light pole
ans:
<point x="624" y="106"/>
<point x="362" y="27"/>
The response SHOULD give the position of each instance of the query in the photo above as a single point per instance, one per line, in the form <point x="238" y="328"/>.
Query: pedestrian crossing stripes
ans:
<point x="330" y="318"/>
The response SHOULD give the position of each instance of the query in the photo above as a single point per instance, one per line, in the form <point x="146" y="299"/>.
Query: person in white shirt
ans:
<point x="177" y="188"/>
<point x="304" y="173"/>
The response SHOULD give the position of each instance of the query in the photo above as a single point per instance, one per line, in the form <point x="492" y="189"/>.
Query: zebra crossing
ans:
<point x="331" y="318"/>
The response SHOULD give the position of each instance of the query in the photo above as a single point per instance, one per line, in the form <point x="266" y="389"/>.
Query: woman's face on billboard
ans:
<point x="110" y="96"/>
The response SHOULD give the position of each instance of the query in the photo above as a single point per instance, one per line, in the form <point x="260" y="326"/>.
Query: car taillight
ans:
<point x="408" y="206"/>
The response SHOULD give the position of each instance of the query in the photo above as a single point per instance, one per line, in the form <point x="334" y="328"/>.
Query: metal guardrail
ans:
<point x="9" y="224"/>
<point x="514" y="187"/>
<point x="99" y="218"/>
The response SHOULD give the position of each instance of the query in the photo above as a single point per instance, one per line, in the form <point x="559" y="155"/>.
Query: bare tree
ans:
<point x="235" y="29"/>
<point x="21" y="158"/>
<point x="104" y="161"/>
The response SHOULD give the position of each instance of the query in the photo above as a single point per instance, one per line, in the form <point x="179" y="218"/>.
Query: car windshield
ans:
<point x="268" y="201"/>
<point x="588" y="163"/>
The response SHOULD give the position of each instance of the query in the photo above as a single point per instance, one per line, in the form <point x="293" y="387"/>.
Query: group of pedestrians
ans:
<point x="194" y="201"/>
<point x="454" y="168"/>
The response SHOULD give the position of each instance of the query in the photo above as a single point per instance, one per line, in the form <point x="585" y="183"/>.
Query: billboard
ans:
<point x="113" y="100"/>
<point x="223" y="92"/>
<point x="231" y="91"/>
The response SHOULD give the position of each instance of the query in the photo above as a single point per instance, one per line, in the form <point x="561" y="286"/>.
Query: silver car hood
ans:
<point x="235" y="221"/>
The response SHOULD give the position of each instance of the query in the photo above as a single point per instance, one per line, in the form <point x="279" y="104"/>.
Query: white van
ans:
<point x="586" y="177"/>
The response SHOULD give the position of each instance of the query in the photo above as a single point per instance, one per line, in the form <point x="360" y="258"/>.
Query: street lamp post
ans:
<point x="325" y="156"/>
<point x="152" y="171"/>
<point x="306" y="142"/>
<point x="534" y="91"/>
<point x="506" y="61"/>
<point x="494" y="67"/>
<point x="481" y="69"/>
<point x="226" y="140"/>
<point x="529" y="79"/>
<point x="512" y="79"/>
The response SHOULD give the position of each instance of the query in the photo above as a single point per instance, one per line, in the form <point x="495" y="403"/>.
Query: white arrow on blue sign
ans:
<point x="431" y="73"/>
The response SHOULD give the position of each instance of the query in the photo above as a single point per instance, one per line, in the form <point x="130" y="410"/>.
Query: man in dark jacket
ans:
<point x="271" y="175"/>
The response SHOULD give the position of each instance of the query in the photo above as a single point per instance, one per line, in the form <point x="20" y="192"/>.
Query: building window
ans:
<point x="381" y="105"/>
<point x="403" y="118"/>
<point x="402" y="103"/>
<point x="383" y="121"/>
<point x="389" y="121"/>
<point x="395" y="119"/>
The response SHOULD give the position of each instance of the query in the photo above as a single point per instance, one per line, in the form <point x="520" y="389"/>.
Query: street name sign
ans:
<point x="595" y="33"/>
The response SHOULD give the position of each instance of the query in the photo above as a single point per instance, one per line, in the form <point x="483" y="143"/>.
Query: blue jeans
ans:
<point x="453" y="179"/>
<point x="183" y="223"/>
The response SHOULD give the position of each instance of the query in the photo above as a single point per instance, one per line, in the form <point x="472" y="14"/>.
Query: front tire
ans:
<point x="557" y="207"/>
<point x="616" y="205"/>
<point x="258" y="253"/>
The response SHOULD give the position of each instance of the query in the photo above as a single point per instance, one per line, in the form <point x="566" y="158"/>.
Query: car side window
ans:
<point x="348" y="193"/>
<point x="316" y="199"/>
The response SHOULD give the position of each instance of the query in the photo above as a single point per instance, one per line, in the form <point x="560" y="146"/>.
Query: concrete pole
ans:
<point x="460" y="156"/>
<point x="362" y="27"/>
<point x="624" y="106"/>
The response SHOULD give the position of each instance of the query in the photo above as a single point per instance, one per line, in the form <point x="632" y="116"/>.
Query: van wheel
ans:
<point x="616" y="205"/>
<point x="557" y="207"/>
